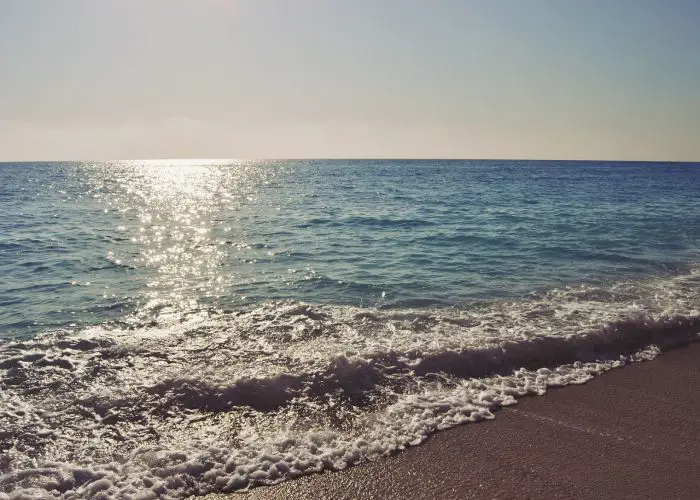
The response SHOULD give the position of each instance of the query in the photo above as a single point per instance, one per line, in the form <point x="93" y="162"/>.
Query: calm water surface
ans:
<point x="88" y="242"/>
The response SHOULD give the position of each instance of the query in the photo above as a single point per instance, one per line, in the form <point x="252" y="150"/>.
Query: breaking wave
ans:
<point x="178" y="405"/>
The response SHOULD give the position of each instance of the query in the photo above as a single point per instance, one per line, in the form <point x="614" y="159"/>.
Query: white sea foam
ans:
<point x="219" y="402"/>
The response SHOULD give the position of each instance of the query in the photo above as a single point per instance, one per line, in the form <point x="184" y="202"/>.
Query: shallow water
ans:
<point x="180" y="328"/>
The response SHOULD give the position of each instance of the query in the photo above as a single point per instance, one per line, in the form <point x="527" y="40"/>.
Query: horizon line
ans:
<point x="339" y="158"/>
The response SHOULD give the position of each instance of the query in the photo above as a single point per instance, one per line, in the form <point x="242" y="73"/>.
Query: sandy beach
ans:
<point x="631" y="433"/>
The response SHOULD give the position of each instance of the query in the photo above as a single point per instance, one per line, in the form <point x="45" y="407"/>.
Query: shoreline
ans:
<point x="630" y="433"/>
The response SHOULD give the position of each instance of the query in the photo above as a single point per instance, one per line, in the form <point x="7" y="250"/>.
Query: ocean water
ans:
<point x="175" y="328"/>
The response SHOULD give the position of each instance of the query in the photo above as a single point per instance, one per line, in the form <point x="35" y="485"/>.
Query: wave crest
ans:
<point x="220" y="402"/>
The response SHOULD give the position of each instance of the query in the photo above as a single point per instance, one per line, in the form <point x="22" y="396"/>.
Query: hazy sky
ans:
<point x="113" y="79"/>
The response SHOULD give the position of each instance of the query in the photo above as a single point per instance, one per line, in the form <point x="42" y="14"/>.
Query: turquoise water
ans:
<point x="170" y="329"/>
<point x="91" y="242"/>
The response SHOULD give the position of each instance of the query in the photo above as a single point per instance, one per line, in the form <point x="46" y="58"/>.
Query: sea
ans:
<point x="181" y="327"/>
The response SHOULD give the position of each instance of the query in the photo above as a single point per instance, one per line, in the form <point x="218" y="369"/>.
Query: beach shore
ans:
<point x="631" y="433"/>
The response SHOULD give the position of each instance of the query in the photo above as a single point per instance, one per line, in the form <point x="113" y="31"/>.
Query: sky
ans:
<point x="556" y="79"/>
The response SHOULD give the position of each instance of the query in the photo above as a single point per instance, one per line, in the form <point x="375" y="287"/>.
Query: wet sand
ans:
<point x="631" y="433"/>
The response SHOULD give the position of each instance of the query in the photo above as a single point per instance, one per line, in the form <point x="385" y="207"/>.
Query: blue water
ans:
<point x="170" y="329"/>
<point x="90" y="242"/>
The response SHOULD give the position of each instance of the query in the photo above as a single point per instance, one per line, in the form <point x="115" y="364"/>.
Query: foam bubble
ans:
<point x="220" y="402"/>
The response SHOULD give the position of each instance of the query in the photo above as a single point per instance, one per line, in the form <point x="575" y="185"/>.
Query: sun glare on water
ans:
<point x="183" y="162"/>
<point x="178" y="216"/>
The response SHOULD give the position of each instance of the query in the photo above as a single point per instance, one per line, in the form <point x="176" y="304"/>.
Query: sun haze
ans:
<point x="85" y="79"/>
